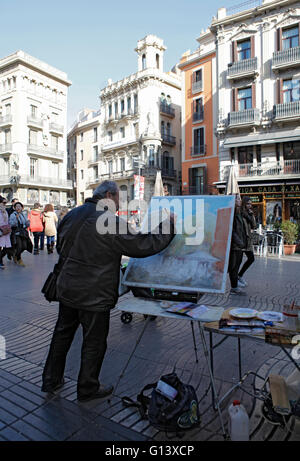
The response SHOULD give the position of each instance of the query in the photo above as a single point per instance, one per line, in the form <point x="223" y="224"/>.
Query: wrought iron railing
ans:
<point x="167" y="109"/>
<point x="198" y="149"/>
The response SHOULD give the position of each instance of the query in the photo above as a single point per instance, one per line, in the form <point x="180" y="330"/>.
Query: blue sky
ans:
<point x="93" y="40"/>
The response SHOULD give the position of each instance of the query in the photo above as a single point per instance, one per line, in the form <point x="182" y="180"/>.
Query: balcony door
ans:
<point x="197" y="180"/>
<point x="290" y="37"/>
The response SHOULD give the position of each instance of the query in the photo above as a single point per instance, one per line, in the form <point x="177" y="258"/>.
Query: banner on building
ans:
<point x="139" y="187"/>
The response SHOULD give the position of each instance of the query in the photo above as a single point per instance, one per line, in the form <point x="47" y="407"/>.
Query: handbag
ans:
<point x="6" y="229"/>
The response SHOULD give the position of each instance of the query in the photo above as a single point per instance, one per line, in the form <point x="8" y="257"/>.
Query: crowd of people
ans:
<point x="22" y="230"/>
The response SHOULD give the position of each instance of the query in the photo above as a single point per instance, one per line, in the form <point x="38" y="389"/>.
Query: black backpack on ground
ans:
<point x="167" y="415"/>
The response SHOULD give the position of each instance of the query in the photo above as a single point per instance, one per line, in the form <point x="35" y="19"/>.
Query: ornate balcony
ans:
<point x="243" y="117"/>
<point x="198" y="116"/>
<point x="286" y="58"/>
<point x="56" y="128"/>
<point x="42" y="151"/>
<point x="286" y="167"/>
<point x="287" y="111"/>
<point x="46" y="181"/>
<point x="167" y="109"/>
<point x="5" y="120"/>
<point x="198" y="150"/>
<point x="197" y="87"/>
<point x="168" y="139"/>
<point x="241" y="69"/>
<point x="35" y="122"/>
<point x="5" y="149"/>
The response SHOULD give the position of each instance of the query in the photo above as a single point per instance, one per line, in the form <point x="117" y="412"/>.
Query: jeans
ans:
<point x="247" y="264"/>
<point x="36" y="238"/>
<point x="95" y="327"/>
<point x="50" y="239"/>
<point x="235" y="260"/>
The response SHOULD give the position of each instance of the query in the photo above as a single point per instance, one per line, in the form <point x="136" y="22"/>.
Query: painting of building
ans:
<point x="197" y="258"/>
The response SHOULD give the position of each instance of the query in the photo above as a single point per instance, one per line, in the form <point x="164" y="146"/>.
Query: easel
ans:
<point x="151" y="307"/>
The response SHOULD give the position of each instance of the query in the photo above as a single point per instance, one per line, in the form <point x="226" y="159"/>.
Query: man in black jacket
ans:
<point x="238" y="244"/>
<point x="87" y="285"/>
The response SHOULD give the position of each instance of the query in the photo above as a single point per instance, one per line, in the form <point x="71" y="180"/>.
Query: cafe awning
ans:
<point x="265" y="138"/>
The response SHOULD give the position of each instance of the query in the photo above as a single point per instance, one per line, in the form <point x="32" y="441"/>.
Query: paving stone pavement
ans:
<point x="27" y="321"/>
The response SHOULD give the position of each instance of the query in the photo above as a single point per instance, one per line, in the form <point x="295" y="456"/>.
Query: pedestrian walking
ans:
<point x="36" y="226"/>
<point x="20" y="239"/>
<point x="250" y="225"/>
<point x="238" y="244"/>
<point x="87" y="284"/>
<point x="5" y="231"/>
<point x="50" y="220"/>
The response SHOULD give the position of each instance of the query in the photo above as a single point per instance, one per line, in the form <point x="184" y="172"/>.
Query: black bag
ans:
<point x="177" y="415"/>
<point x="49" y="288"/>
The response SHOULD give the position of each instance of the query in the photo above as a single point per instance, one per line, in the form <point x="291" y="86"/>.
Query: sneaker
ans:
<point x="2" y="266"/>
<point x="36" y="252"/>
<point x="242" y="282"/>
<point x="103" y="391"/>
<point x="236" y="291"/>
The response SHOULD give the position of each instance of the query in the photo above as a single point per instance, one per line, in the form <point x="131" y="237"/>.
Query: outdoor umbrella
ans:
<point x="158" y="186"/>
<point x="232" y="186"/>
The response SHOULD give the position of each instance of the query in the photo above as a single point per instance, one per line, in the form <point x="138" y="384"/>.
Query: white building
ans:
<point x="83" y="153"/>
<point x="141" y="124"/>
<point x="258" y="67"/>
<point x="33" y="104"/>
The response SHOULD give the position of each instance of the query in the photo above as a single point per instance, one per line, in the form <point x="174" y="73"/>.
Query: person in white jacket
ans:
<point x="50" y="219"/>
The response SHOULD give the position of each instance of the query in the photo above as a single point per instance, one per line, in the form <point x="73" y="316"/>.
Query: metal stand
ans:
<point x="194" y="340"/>
<point x="217" y="403"/>
<point x="132" y="353"/>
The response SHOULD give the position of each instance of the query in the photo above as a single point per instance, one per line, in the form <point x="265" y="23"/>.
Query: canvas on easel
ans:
<point x="197" y="258"/>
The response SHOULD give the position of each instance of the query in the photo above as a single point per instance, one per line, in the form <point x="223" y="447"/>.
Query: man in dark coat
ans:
<point x="238" y="244"/>
<point x="87" y="285"/>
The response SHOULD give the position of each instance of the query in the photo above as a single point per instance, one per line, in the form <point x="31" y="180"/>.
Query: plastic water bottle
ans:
<point x="238" y="421"/>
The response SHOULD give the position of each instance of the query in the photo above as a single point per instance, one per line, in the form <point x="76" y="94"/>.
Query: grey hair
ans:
<point x="106" y="186"/>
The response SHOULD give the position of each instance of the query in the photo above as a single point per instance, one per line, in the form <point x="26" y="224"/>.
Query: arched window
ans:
<point x="168" y="99"/>
<point x="144" y="61"/>
<point x="168" y="129"/>
<point x="162" y="97"/>
<point x="157" y="61"/>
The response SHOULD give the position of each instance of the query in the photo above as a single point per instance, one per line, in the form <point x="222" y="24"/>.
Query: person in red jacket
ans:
<point x="36" y="225"/>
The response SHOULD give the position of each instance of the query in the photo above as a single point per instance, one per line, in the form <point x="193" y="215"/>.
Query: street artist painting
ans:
<point x="197" y="258"/>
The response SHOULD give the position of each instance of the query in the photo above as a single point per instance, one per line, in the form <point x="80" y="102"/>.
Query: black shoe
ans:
<point x="36" y="252"/>
<point x="51" y="389"/>
<point x="103" y="391"/>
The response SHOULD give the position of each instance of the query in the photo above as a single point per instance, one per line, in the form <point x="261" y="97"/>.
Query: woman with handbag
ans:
<point x="20" y="238"/>
<point x="50" y="221"/>
<point x="5" y="231"/>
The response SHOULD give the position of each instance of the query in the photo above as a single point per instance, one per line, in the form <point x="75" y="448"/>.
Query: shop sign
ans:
<point x="269" y="189"/>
